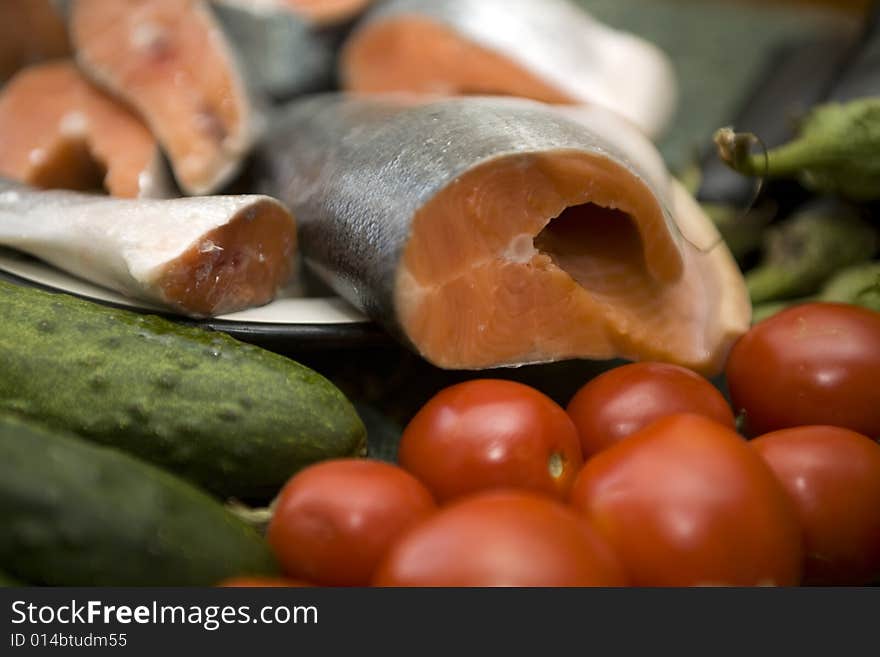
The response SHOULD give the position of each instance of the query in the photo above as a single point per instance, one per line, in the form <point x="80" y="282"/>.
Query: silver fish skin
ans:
<point x="355" y="170"/>
<point x="358" y="171"/>
<point x="218" y="168"/>
<point x="563" y="45"/>
<point x="283" y="55"/>
<point x="126" y="245"/>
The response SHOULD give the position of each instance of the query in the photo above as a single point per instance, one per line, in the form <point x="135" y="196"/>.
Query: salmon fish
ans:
<point x="328" y="12"/>
<point x="171" y="61"/>
<point x="486" y="232"/>
<point x="547" y="50"/>
<point x="59" y="130"/>
<point x="195" y="256"/>
<point x="314" y="12"/>
<point x="283" y="50"/>
<point x="30" y="31"/>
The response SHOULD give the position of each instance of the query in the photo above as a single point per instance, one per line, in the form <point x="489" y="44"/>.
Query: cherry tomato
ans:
<point x="833" y="475"/>
<point x="262" y="582"/>
<point x="816" y="363"/>
<point x="623" y="400"/>
<point x="334" y="521"/>
<point x="491" y="434"/>
<point x="502" y="538"/>
<point x="686" y="502"/>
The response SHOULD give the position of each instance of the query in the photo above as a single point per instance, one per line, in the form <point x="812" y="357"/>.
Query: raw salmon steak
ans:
<point x="486" y="232"/>
<point x="171" y="61"/>
<point x="59" y="130"/>
<point x="197" y="256"/>
<point x="547" y="50"/>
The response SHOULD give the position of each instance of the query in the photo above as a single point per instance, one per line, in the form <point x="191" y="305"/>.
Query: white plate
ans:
<point x="291" y="315"/>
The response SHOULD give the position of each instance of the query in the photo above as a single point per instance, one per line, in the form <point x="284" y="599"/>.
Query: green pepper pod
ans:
<point x="837" y="151"/>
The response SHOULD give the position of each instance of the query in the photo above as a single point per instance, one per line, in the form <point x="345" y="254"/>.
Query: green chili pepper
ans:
<point x="837" y="151"/>
<point x="859" y="285"/>
<point x="805" y="250"/>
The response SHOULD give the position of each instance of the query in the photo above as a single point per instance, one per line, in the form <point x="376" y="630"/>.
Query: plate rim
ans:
<point x="310" y="335"/>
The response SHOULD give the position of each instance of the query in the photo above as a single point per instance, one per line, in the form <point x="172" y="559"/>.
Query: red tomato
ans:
<point x="501" y="538"/>
<point x="833" y="475"/>
<point x="686" y="501"/>
<point x="815" y="363"/>
<point x="623" y="400"/>
<point x="262" y="582"/>
<point x="491" y="434"/>
<point x="334" y="521"/>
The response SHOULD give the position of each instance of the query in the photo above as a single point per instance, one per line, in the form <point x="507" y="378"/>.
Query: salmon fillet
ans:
<point x="196" y="256"/>
<point x="30" y="31"/>
<point x="551" y="51"/>
<point x="170" y="60"/>
<point x="58" y="130"/>
<point x="486" y="232"/>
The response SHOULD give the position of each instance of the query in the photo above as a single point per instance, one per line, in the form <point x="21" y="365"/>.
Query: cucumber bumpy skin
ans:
<point x="234" y="418"/>
<point x="78" y="514"/>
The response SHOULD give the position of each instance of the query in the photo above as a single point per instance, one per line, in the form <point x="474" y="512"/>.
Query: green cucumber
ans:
<point x="79" y="514"/>
<point x="231" y="417"/>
